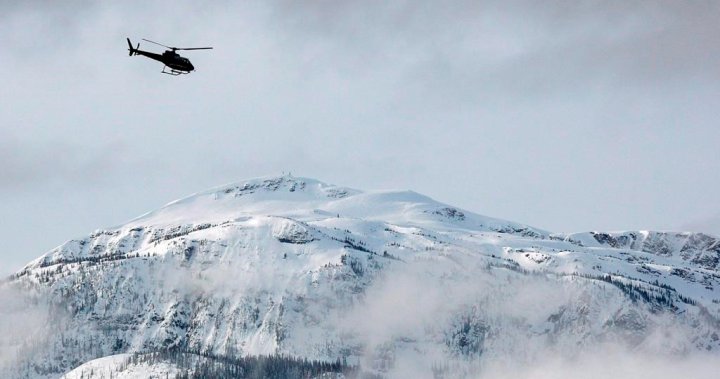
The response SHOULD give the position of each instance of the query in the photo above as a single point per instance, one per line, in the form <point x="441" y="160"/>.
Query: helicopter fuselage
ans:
<point x="170" y="58"/>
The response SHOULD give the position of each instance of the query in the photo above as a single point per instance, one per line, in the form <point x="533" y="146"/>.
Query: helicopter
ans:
<point x="175" y="64"/>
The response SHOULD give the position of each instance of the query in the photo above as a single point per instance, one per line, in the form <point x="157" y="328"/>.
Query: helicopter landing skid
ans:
<point x="173" y="72"/>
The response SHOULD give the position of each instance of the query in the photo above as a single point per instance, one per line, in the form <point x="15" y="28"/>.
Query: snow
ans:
<point x="119" y="366"/>
<point x="288" y="265"/>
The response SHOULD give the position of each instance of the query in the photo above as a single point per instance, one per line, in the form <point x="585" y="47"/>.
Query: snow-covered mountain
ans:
<point x="393" y="281"/>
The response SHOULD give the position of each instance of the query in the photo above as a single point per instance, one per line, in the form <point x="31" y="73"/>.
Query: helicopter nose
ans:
<point x="191" y="66"/>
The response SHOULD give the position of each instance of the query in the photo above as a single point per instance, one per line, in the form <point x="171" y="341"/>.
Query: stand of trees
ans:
<point x="194" y="365"/>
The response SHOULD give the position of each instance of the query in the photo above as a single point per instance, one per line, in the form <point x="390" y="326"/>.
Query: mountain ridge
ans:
<point x="285" y="265"/>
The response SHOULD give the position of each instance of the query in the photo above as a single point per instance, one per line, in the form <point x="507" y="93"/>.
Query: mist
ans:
<point x="475" y="322"/>
<point x="611" y="361"/>
<point x="25" y="321"/>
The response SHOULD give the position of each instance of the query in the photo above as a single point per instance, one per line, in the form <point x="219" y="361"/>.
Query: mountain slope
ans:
<point x="390" y="280"/>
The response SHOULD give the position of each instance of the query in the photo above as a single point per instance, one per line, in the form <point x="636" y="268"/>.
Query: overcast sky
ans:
<point x="565" y="115"/>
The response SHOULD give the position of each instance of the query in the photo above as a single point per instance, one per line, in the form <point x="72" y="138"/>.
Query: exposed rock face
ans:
<point x="696" y="248"/>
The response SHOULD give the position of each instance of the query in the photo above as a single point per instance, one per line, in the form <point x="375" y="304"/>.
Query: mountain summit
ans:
<point x="383" y="280"/>
<point x="308" y="199"/>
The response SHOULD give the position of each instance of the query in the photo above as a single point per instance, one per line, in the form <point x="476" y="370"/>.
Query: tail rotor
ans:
<point x="132" y="51"/>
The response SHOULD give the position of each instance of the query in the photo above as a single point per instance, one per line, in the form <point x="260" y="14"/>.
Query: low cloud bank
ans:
<point x="23" y="323"/>
<point x="612" y="362"/>
<point x="450" y="320"/>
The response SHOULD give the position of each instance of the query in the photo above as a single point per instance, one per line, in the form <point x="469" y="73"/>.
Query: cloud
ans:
<point x="515" y="46"/>
<point x="24" y="164"/>
<point x="611" y="361"/>
<point x="491" y="323"/>
<point x="704" y="225"/>
<point x="23" y="323"/>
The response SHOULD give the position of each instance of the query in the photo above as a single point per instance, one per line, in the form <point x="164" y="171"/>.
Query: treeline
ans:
<point x="663" y="295"/>
<point x="635" y="292"/>
<point x="195" y="365"/>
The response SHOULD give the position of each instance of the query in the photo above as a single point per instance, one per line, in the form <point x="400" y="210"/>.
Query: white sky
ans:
<point x="568" y="116"/>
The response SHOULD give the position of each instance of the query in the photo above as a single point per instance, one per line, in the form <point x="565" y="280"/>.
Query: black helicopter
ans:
<point x="173" y="61"/>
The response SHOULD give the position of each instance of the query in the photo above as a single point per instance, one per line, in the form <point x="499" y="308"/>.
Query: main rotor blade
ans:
<point x="193" y="48"/>
<point x="159" y="44"/>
